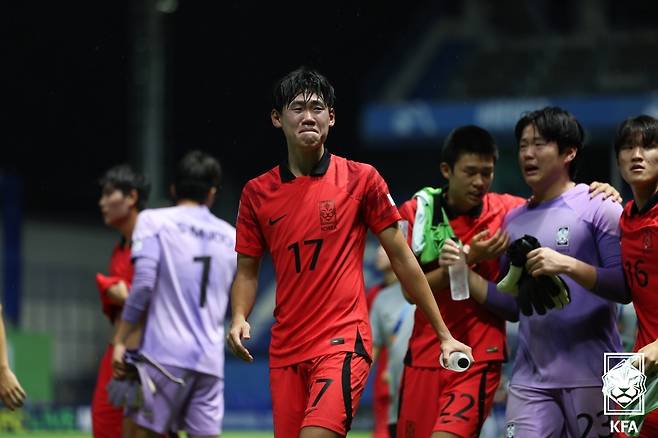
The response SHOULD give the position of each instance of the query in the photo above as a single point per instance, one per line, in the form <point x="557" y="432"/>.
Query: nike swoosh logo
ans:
<point x="272" y="222"/>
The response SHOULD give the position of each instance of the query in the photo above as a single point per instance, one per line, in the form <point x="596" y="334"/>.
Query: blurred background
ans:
<point x="92" y="84"/>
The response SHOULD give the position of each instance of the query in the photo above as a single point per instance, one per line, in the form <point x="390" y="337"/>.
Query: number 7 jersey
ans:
<point x="196" y="264"/>
<point x="315" y="228"/>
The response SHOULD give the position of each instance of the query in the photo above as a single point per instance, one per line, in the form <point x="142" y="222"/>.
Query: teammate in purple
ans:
<point x="555" y="388"/>
<point x="184" y="266"/>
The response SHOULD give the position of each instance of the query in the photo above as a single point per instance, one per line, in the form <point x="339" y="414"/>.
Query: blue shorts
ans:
<point x="559" y="412"/>
<point x="196" y="407"/>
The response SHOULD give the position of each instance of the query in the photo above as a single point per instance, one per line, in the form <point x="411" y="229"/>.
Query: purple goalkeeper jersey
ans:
<point x="564" y="348"/>
<point x="192" y="262"/>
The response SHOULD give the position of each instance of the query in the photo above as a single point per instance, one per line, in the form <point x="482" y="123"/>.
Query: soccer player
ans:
<point x="555" y="387"/>
<point x="124" y="195"/>
<point x="391" y="318"/>
<point x="184" y="266"/>
<point x="636" y="146"/>
<point x="12" y="393"/>
<point x="381" y="395"/>
<point x="312" y="214"/>
<point x="436" y="401"/>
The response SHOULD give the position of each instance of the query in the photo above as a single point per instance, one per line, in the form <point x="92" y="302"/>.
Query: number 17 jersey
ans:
<point x="315" y="229"/>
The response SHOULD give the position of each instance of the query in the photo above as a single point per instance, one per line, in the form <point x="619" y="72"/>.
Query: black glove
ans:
<point x="534" y="294"/>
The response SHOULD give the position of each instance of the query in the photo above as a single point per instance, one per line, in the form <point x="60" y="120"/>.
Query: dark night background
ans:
<point x="72" y="88"/>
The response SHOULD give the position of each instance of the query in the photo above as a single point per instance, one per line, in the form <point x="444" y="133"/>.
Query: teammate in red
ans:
<point x="312" y="214"/>
<point x="636" y="146"/>
<point x="380" y="393"/>
<point x="124" y="194"/>
<point x="436" y="401"/>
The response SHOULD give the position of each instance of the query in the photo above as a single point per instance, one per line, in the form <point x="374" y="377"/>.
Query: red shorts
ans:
<point x="440" y="400"/>
<point x="323" y="391"/>
<point x="106" y="419"/>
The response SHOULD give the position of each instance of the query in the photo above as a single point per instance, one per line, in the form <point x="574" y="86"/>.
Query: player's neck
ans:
<point x="550" y="191"/>
<point x="301" y="161"/>
<point x="126" y="227"/>
<point x="642" y="194"/>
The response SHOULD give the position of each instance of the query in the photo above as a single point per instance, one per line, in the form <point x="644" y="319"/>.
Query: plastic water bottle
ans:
<point x="457" y="361"/>
<point x="459" y="278"/>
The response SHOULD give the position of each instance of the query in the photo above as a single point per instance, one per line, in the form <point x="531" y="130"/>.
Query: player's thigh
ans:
<point x="288" y="388"/>
<point x="203" y="411"/>
<point x="583" y="411"/>
<point x="162" y="408"/>
<point x="419" y="402"/>
<point x="533" y="412"/>
<point x="336" y="382"/>
<point x="466" y="399"/>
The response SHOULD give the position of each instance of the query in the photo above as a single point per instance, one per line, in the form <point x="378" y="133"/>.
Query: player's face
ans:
<point x="638" y="164"/>
<point x="305" y="121"/>
<point x="540" y="160"/>
<point x="469" y="180"/>
<point x="115" y="206"/>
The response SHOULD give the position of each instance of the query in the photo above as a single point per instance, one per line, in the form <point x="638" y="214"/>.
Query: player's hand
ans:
<point x="650" y="357"/>
<point x="117" y="293"/>
<point x="118" y="365"/>
<point x="606" y="189"/>
<point x="450" y="253"/>
<point x="546" y="261"/>
<point x="240" y="329"/>
<point x="451" y="345"/>
<point x="482" y="247"/>
<point x="11" y="392"/>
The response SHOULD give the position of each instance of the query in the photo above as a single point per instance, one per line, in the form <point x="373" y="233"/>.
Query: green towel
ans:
<point x="434" y="234"/>
<point x="650" y="404"/>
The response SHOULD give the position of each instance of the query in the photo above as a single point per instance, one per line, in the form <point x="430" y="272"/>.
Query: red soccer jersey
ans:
<point x="639" y="252"/>
<point x="315" y="229"/>
<point x="121" y="268"/>
<point x="468" y="321"/>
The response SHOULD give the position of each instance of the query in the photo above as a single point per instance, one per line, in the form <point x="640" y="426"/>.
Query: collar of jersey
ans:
<point x="653" y="200"/>
<point x="319" y="169"/>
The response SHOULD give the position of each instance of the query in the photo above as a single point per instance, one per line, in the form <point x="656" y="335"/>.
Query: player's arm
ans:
<point x="117" y="293"/>
<point x="413" y="281"/>
<point x="481" y="290"/>
<point x="11" y="392"/>
<point x="243" y="297"/>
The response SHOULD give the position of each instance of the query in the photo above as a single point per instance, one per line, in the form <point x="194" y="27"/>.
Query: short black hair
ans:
<point x="643" y="128"/>
<point x="469" y="139"/>
<point x="196" y="174"/>
<point x="303" y="80"/>
<point x="558" y="125"/>
<point x="123" y="177"/>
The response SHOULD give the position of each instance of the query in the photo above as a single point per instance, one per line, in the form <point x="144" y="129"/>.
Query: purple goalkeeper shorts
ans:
<point x="196" y="407"/>
<point x="559" y="412"/>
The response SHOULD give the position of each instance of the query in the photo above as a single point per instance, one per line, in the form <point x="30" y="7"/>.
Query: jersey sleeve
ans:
<point x="408" y="214"/>
<point x="145" y="237"/>
<point x="249" y="238"/>
<point x="610" y="282"/>
<point x="378" y="207"/>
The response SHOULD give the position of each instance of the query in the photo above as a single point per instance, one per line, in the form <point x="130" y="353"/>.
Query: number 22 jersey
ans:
<point x="315" y="228"/>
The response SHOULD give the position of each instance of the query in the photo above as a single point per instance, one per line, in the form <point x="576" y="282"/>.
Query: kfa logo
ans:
<point x="562" y="237"/>
<point x="624" y="385"/>
<point x="327" y="215"/>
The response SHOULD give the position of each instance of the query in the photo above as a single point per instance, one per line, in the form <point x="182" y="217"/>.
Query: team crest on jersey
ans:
<point x="328" y="215"/>
<point x="509" y="431"/>
<point x="562" y="237"/>
<point x="647" y="241"/>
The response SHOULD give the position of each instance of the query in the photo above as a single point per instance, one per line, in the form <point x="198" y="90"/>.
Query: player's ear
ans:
<point x="276" y="118"/>
<point x="332" y="117"/>
<point x="445" y="170"/>
<point x="570" y="154"/>
<point x="133" y="197"/>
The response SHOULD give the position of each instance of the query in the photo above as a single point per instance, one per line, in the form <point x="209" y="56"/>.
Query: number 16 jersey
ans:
<point x="196" y="264"/>
<point x="315" y="228"/>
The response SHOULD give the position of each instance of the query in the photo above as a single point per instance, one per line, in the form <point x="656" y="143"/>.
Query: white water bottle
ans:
<point x="459" y="278"/>
<point x="457" y="361"/>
